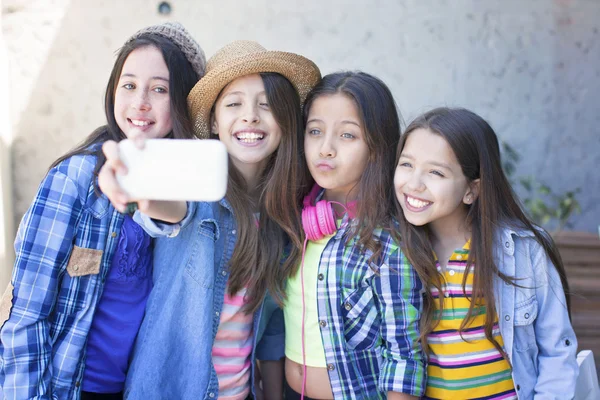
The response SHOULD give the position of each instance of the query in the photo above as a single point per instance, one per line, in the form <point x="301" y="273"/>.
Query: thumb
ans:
<point x="136" y="135"/>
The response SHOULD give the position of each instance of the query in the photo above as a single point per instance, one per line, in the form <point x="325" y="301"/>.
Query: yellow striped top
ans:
<point x="466" y="366"/>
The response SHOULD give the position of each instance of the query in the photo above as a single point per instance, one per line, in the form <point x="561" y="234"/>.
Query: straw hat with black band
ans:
<point x="242" y="58"/>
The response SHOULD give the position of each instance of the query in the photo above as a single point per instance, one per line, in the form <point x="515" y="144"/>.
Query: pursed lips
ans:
<point x="324" y="166"/>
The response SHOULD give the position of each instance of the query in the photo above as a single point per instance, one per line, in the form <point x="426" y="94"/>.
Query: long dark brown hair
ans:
<point x="476" y="148"/>
<point x="257" y="255"/>
<point x="182" y="79"/>
<point x="381" y="123"/>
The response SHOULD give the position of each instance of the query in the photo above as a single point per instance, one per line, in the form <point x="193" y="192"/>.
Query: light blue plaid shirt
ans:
<point x="369" y="319"/>
<point x="64" y="247"/>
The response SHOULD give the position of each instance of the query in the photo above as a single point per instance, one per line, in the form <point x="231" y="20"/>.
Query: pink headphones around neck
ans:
<point x="318" y="221"/>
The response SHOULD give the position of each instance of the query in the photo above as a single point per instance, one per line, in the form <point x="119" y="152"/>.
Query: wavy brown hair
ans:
<point x="380" y="119"/>
<point x="258" y="253"/>
<point x="182" y="79"/>
<point x="476" y="148"/>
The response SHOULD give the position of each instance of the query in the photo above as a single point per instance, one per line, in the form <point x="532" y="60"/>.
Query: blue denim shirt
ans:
<point x="534" y="322"/>
<point x="173" y="354"/>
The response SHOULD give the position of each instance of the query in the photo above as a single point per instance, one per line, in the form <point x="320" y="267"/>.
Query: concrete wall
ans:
<point x="531" y="68"/>
<point x="6" y="192"/>
<point x="6" y="217"/>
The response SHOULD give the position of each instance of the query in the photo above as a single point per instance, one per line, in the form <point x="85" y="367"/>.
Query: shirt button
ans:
<point x="348" y="306"/>
<point x="113" y="234"/>
<point x="507" y="244"/>
<point x="211" y="395"/>
<point x="451" y="273"/>
<point x="330" y="367"/>
<point x="526" y="315"/>
<point x="459" y="257"/>
<point x="518" y="387"/>
<point x="321" y="277"/>
<point x="217" y="313"/>
<point x="323" y="324"/>
<point x="568" y="342"/>
<point x="77" y="384"/>
<point x="233" y="233"/>
<point x="447" y="294"/>
<point x="507" y="317"/>
<point x="224" y="272"/>
<point x="76" y="268"/>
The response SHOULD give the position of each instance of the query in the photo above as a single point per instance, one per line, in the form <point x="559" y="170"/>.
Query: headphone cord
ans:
<point x="346" y="209"/>
<point x="303" y="318"/>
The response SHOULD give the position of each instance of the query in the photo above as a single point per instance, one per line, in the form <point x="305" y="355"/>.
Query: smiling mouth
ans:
<point x="249" y="137"/>
<point x="417" y="204"/>
<point x="139" y="123"/>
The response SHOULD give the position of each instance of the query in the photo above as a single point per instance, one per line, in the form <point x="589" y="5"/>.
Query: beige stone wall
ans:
<point x="531" y="68"/>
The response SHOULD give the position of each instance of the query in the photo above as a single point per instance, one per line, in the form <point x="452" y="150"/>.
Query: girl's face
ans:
<point x="335" y="146"/>
<point x="245" y="124"/>
<point x="142" y="100"/>
<point x="429" y="182"/>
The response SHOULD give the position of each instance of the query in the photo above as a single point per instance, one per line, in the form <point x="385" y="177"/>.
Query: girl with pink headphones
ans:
<point x="353" y="301"/>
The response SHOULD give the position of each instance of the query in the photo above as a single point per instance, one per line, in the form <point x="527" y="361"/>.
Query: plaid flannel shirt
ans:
<point x="64" y="247"/>
<point x="369" y="319"/>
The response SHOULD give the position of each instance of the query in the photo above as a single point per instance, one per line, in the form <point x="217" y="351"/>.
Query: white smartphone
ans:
<point x="174" y="169"/>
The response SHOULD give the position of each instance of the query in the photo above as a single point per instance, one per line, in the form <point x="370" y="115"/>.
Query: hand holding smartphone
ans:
<point x="174" y="169"/>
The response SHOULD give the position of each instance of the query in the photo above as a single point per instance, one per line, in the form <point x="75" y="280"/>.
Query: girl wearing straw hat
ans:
<point x="201" y="332"/>
<point x="83" y="271"/>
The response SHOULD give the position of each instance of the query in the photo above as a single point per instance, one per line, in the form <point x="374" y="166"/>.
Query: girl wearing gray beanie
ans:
<point x="83" y="271"/>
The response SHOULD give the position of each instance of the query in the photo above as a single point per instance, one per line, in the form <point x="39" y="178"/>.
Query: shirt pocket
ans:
<point x="75" y="289"/>
<point x="525" y="315"/>
<point x="84" y="262"/>
<point x="361" y="321"/>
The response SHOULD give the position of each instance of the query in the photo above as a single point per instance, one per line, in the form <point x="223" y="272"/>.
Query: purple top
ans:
<point x="119" y="312"/>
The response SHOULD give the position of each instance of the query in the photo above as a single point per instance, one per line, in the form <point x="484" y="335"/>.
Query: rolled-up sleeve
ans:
<point x="156" y="228"/>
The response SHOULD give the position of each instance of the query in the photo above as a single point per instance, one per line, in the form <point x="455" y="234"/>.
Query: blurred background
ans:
<point x="531" y="68"/>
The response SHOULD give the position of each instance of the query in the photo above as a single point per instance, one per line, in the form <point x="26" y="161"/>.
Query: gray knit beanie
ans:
<point x="176" y="33"/>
